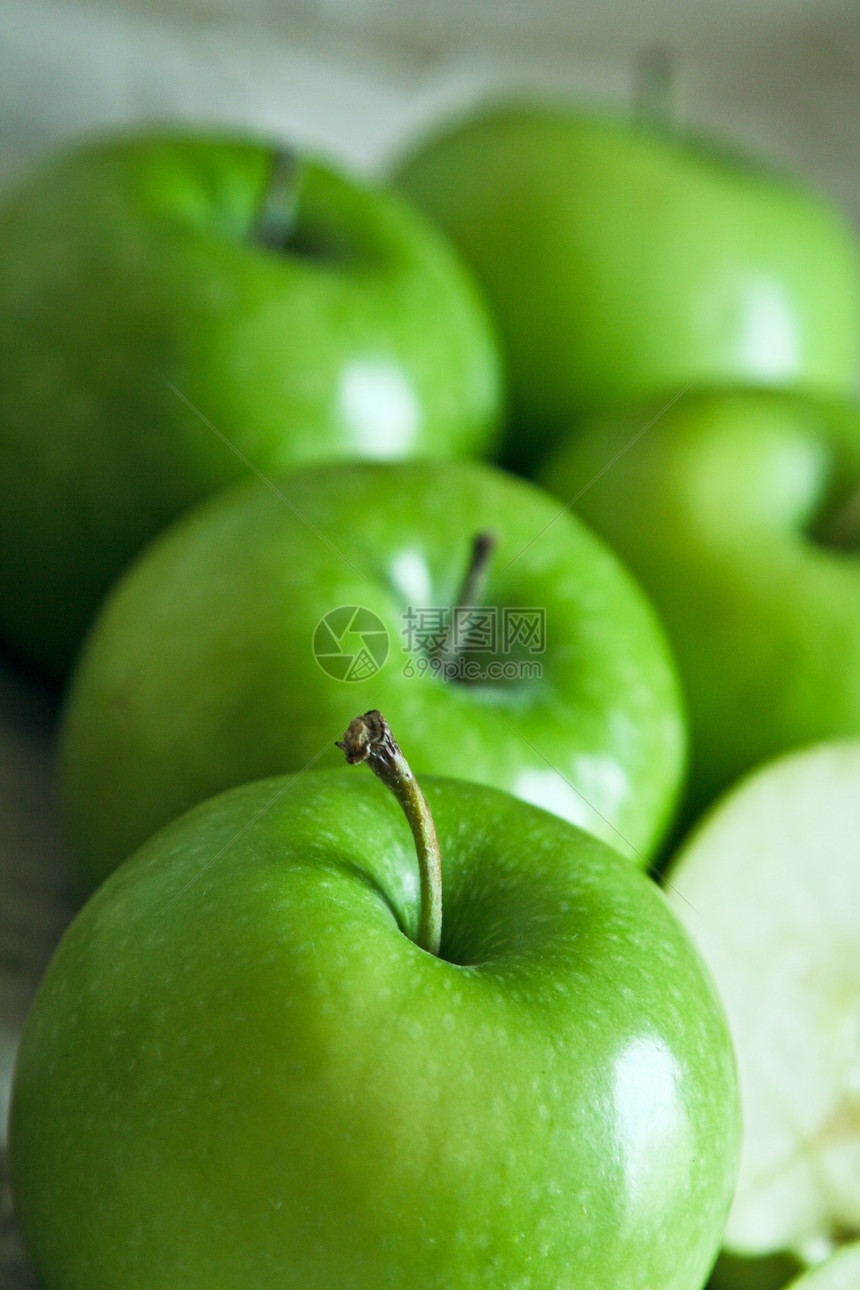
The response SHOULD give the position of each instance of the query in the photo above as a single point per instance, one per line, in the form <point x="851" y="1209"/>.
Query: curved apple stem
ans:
<point x="470" y="595"/>
<point x="277" y="213"/>
<point x="369" y="738"/>
<point x="656" y="87"/>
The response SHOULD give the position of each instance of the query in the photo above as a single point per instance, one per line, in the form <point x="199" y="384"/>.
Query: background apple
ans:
<point x="173" y="309"/>
<point x="734" y="509"/>
<point x="769" y="887"/>
<point x="240" y="1070"/>
<point x="201" y="674"/>
<point x="625" y="261"/>
<point x="840" y="1272"/>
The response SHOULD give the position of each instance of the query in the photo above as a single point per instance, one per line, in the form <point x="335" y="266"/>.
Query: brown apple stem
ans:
<point x="470" y="596"/>
<point x="277" y="214"/>
<point x="472" y="589"/>
<point x="656" y="88"/>
<point x="369" y="738"/>
<point x="842" y="528"/>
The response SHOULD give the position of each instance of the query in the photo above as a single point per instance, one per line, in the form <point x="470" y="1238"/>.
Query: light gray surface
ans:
<point x="356" y="78"/>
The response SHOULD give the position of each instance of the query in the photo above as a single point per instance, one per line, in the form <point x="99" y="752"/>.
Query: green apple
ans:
<point x="734" y="510"/>
<point x="626" y="260"/>
<point x="242" y="1070"/>
<point x="201" y="671"/>
<point x="769" y="888"/>
<point x="840" y="1272"/>
<point x="173" y="309"/>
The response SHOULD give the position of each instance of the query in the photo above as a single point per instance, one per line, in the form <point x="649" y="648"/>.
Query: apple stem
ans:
<point x="470" y="596"/>
<point x="656" y="87"/>
<point x="277" y="214"/>
<point x="369" y="738"/>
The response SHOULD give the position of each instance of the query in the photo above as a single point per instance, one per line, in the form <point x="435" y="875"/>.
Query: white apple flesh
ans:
<point x="769" y="888"/>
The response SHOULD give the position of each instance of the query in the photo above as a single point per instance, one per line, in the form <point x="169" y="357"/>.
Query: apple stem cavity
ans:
<point x="656" y="88"/>
<point x="841" y="529"/>
<point x="470" y="596"/>
<point x="369" y="738"/>
<point x="277" y="214"/>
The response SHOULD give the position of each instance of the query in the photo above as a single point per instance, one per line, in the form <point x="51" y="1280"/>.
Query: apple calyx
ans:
<point x="368" y="738"/>
<point x="277" y="215"/>
<point x="470" y="596"/>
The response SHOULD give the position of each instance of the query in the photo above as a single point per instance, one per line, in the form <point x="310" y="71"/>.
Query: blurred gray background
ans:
<point x="357" y="77"/>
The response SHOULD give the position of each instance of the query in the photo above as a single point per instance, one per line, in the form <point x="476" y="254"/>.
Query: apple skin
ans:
<point x="623" y="261"/>
<point x="239" y="1071"/>
<point x="716" y="509"/>
<point x="839" y="1272"/>
<point x="132" y="279"/>
<point x="200" y="674"/>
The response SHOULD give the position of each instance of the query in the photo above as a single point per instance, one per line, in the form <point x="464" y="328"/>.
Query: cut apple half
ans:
<point x="768" y="886"/>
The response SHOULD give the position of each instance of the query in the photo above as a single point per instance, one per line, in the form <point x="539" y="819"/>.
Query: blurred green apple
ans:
<point x="241" y="1070"/>
<point x="624" y="260"/>
<point x="266" y="617"/>
<point x="736" y="511"/>
<point x="172" y="309"/>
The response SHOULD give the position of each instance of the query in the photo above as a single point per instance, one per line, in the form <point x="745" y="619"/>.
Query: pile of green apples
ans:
<point x="494" y="1016"/>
